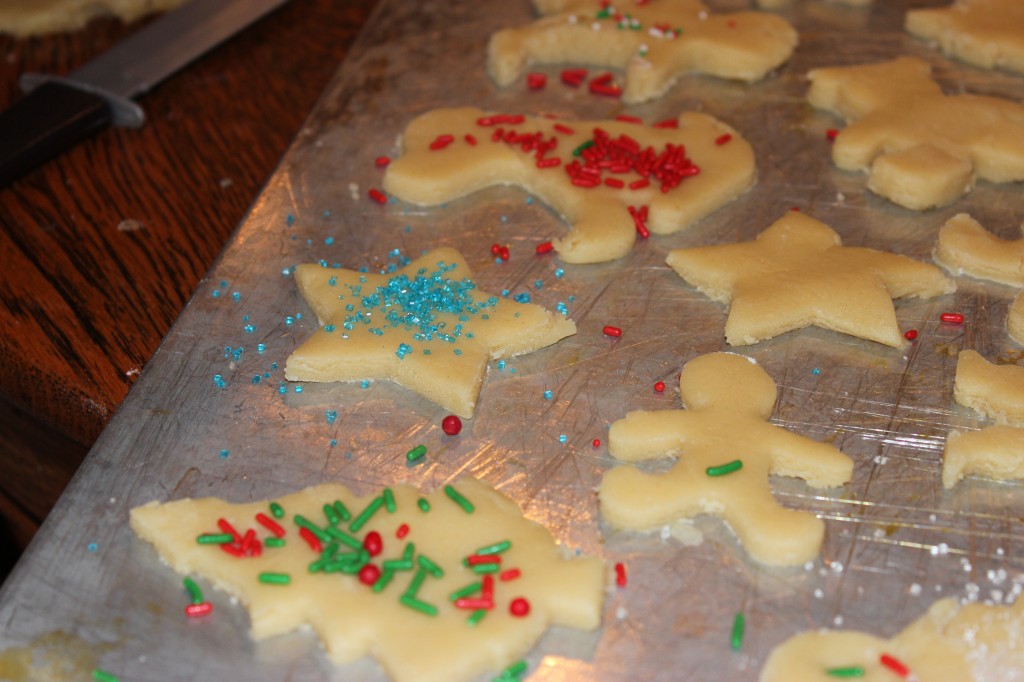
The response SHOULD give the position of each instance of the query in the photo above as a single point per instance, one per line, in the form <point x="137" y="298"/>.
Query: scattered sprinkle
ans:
<point x="659" y="386"/>
<point x="451" y="425"/>
<point x="910" y="334"/>
<point x="738" y="627"/>
<point x="723" y="469"/>
<point x="620" y="574"/>
<point x="952" y="318"/>
<point x="416" y="453"/>
<point x="612" y="331"/>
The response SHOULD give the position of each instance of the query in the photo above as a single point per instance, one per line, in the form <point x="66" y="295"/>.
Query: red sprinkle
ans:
<point x="510" y="574"/>
<point x="549" y="162"/>
<point x="596" y="442"/>
<point x="564" y="129"/>
<point x="639" y="216"/>
<point x="451" y="425"/>
<point x="639" y="184"/>
<point x="519" y="607"/>
<point x="373" y="543"/>
<point x="310" y="539"/>
<point x="629" y="119"/>
<point x="831" y="134"/>
<point x="614" y="182"/>
<point x="487" y="588"/>
<point x="402" y="531"/>
<point x="441" y="141"/>
<point x="226" y="527"/>
<point x="201" y="609"/>
<point x="477" y="559"/>
<point x="606" y="90"/>
<point x="536" y="81"/>
<point x="233" y="550"/>
<point x="620" y="575"/>
<point x="573" y="77"/>
<point x="504" y="253"/>
<point x="667" y="123"/>
<point x="369" y="574"/>
<point x="659" y="386"/>
<point x="382" y="161"/>
<point x="495" y="249"/>
<point x="895" y="665"/>
<point x="270" y="524"/>
<point x="545" y="247"/>
<point x="378" y="196"/>
<point x="470" y="140"/>
<point x="722" y="139"/>
<point x="474" y="603"/>
<point x="910" y="335"/>
<point x="794" y="209"/>
<point x="952" y="318"/>
<point x="612" y="331"/>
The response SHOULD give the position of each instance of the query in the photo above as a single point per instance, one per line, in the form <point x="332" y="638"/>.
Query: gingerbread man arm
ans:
<point x="819" y="464"/>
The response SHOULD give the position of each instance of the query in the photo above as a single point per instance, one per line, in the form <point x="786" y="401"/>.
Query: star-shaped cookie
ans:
<point x="609" y="179"/>
<point x="965" y="247"/>
<point x="726" y="449"/>
<point x="797" y="274"/>
<point x="986" y="33"/>
<point x="655" y="41"/>
<point x="920" y="147"/>
<point x="425" y="326"/>
<point x="438" y="587"/>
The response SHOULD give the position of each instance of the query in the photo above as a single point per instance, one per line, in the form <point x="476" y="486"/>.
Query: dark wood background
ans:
<point x="102" y="248"/>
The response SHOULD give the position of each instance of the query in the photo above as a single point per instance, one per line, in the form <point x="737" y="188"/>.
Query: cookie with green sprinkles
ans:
<point x="425" y="326"/>
<point x="459" y="571"/>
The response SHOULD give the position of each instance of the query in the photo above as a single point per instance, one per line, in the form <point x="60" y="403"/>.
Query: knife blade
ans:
<point x="58" y="112"/>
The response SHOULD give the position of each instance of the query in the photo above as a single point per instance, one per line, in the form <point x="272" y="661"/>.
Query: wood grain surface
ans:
<point x="102" y="248"/>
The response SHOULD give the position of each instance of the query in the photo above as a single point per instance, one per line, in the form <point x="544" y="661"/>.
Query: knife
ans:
<point x="58" y="112"/>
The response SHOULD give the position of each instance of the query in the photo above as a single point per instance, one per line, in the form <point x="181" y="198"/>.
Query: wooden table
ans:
<point x="103" y="247"/>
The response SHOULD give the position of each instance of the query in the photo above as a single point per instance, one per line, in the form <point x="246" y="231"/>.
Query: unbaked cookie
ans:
<point x="425" y="326"/>
<point x="920" y="147"/>
<point x="994" y="391"/>
<point x="966" y="643"/>
<point x="966" y="248"/>
<point x="797" y="274"/>
<point x="726" y="450"/>
<point x="437" y="588"/>
<point x="986" y="33"/>
<point x="656" y="42"/>
<point x="609" y="179"/>
<point x="35" y="17"/>
<point x="1015" y="319"/>
<point x="993" y="452"/>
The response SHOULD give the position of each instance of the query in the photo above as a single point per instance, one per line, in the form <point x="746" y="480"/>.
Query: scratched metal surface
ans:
<point x="88" y="580"/>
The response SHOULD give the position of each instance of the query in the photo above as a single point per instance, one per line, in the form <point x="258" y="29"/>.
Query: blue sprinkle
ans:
<point x="224" y="454"/>
<point x="523" y="297"/>
<point x="289" y="220"/>
<point x="403" y="350"/>
<point x="282" y="388"/>
<point x="256" y="379"/>
<point x="348" y="455"/>
<point x="529" y="201"/>
<point x="273" y="365"/>
<point x="498" y="260"/>
<point x="548" y="395"/>
<point x="563" y="438"/>
<point x="329" y="241"/>
<point x="815" y="371"/>
<point x="289" y="320"/>
<point x="223" y="283"/>
<point x="216" y="293"/>
<point x="365" y="383"/>
<point x="266" y="375"/>
<point x="249" y="329"/>
<point x="327" y="214"/>
<point x="298" y="389"/>
<point x="333" y="281"/>
<point x="261" y="348"/>
<point x="572" y="298"/>
<point x="512" y="370"/>
<point x="559" y="273"/>
<point x="457" y="351"/>
<point x="501" y="365"/>
<point x="219" y="382"/>
<point x="235" y="296"/>
<point x="334" y="442"/>
<point x="92" y="547"/>
<point x="538" y="284"/>
<point x="329" y="327"/>
<point x="245" y="318"/>
<point x="331" y="416"/>
<point x="286" y="271"/>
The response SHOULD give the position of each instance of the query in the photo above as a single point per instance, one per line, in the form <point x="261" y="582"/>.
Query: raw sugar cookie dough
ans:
<point x="425" y="326"/>
<point x="726" y="450"/>
<point x="993" y="391"/>
<point x="985" y="33"/>
<point x="655" y="42"/>
<point x="609" y="179"/>
<point x="965" y="643"/>
<point x="965" y="247"/>
<point x="797" y="274"/>
<point x="1015" y="320"/>
<point x="995" y="452"/>
<point x="920" y="147"/>
<point x="372" y="574"/>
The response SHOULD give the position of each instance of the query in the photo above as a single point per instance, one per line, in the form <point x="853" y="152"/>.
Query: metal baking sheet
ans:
<point x="88" y="594"/>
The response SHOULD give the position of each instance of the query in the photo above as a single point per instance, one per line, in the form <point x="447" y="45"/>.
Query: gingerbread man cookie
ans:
<point x="966" y="643"/>
<point x="655" y="41"/>
<point x="425" y="326"/>
<point x="610" y="179"/>
<point x="993" y="391"/>
<point x="726" y="450"/>
<point x="440" y="587"/>
<point x="986" y="33"/>
<point x="920" y="147"/>
<point x="966" y="248"/>
<point x="797" y="273"/>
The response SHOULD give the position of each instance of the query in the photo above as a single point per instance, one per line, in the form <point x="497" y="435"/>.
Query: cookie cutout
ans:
<point x="656" y="42"/>
<point x="609" y="179"/>
<point x="921" y="148"/>
<point x="1015" y="319"/>
<point x="728" y="400"/>
<point x="400" y="610"/>
<point x="798" y="274"/>
<point x="985" y="33"/>
<point x="993" y="391"/>
<point x="966" y="248"/>
<point x="425" y="326"/>
<point x="967" y="643"/>
<point x="995" y="452"/>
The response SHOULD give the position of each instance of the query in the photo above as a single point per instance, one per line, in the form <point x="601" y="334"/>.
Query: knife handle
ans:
<point x="44" y="123"/>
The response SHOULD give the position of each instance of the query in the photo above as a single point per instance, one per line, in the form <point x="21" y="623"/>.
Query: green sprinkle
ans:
<point x="433" y="568"/>
<point x="486" y="568"/>
<point x="586" y="145"/>
<point x="316" y="530"/>
<point x="194" y="592"/>
<point x="513" y="671"/>
<point x="366" y="514"/>
<point x="329" y="551"/>
<point x="103" y="676"/>
<point x="215" y="538"/>
<point x="389" y="501"/>
<point x="274" y="542"/>
<point x="424" y="504"/>
<point x="416" y="583"/>
<point x="332" y="516"/>
<point x="847" y="672"/>
<point x="342" y="510"/>
<point x="318" y="565"/>
<point x="409" y="550"/>
<point x="466" y="591"/>
<point x="344" y="538"/>
<point x="383" y="580"/>
<point x="736" y="642"/>
<point x="458" y="499"/>
<point x="276" y="510"/>
<point x="723" y="469"/>
<point x="417" y="605"/>
<point x="416" y="453"/>
<point x="496" y="548"/>
<point x="397" y="565"/>
<point x="476" y="617"/>
<point x="275" y="578"/>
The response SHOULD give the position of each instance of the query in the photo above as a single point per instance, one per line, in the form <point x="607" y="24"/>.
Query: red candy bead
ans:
<point x="612" y="331"/>
<point x="519" y="607"/>
<point x="451" y="425"/>
<point x="373" y="543"/>
<point x="495" y="249"/>
<point x="910" y="335"/>
<point x="201" y="609"/>
<point x="545" y="247"/>
<point x="369" y="574"/>
<point x="536" y="81"/>
<point x="596" y="443"/>
<point x="952" y="318"/>
<point x="659" y="386"/>
<point x="504" y="253"/>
